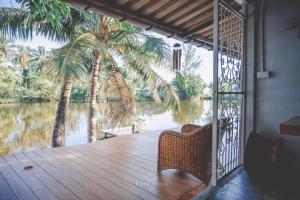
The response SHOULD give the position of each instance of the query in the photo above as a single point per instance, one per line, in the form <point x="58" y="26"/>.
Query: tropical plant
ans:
<point x="21" y="60"/>
<point x="71" y="62"/>
<point x="80" y="91"/>
<point x="38" y="11"/>
<point x="9" y="81"/>
<point x="53" y="19"/>
<point x="191" y="60"/>
<point x="188" y="85"/>
<point x="5" y="49"/>
<point x="39" y="58"/>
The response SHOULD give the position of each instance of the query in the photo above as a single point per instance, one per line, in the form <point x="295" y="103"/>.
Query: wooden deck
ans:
<point x="118" y="168"/>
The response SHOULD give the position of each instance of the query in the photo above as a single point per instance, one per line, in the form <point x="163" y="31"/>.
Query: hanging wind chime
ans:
<point x="177" y="58"/>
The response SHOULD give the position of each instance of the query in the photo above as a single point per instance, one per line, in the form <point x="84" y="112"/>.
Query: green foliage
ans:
<point x="53" y="19"/>
<point x="188" y="85"/>
<point x="191" y="60"/>
<point x="72" y="60"/>
<point x="9" y="81"/>
<point x="5" y="47"/>
<point x="46" y="12"/>
<point x="143" y="95"/>
<point x="80" y="92"/>
<point x="36" y="89"/>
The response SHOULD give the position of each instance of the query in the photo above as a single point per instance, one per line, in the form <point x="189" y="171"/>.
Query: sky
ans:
<point x="205" y="71"/>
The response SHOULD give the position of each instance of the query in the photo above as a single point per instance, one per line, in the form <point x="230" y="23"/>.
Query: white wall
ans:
<point x="275" y="99"/>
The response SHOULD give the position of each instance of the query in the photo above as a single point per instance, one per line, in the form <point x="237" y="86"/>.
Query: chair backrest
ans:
<point x="223" y="125"/>
<point x="204" y="142"/>
<point x="203" y="137"/>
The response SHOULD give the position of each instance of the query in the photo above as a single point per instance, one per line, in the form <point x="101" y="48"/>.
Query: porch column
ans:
<point x="215" y="92"/>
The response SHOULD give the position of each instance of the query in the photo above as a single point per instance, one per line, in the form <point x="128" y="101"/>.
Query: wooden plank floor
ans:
<point x="123" y="167"/>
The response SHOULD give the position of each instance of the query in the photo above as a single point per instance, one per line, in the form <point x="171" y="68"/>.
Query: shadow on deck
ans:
<point x="123" y="167"/>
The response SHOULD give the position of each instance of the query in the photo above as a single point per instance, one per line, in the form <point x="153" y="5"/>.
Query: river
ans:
<point x="25" y="127"/>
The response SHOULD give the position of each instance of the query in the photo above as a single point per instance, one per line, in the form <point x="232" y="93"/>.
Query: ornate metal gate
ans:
<point x="228" y="89"/>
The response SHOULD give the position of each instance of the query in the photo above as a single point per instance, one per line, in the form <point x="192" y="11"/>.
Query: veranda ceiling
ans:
<point x="187" y="20"/>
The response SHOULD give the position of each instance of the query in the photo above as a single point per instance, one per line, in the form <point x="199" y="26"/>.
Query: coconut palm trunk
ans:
<point x="58" y="136"/>
<point x="93" y="101"/>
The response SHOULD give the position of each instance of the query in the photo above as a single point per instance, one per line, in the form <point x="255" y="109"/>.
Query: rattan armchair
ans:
<point x="189" y="151"/>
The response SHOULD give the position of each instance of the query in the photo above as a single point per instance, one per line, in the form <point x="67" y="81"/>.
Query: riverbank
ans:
<point x="7" y="101"/>
<point x="14" y="101"/>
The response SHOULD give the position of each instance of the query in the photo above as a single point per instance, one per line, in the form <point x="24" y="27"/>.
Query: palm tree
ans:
<point x="21" y="60"/>
<point x="39" y="58"/>
<point x="5" y="47"/>
<point x="22" y="56"/>
<point x="71" y="62"/>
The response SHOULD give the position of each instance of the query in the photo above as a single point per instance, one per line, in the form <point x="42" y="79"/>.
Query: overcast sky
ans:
<point x="207" y="59"/>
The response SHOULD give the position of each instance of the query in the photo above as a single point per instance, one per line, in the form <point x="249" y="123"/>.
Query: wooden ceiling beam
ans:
<point x="154" y="6"/>
<point x="136" y="5"/>
<point x="122" y="2"/>
<point x="197" y="20"/>
<point x="179" y="12"/>
<point x="201" y="26"/>
<point x="169" y="7"/>
<point x="202" y="31"/>
<point x="207" y="33"/>
<point x="195" y="12"/>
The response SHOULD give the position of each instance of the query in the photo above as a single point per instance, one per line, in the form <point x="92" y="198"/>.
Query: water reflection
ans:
<point x="26" y="127"/>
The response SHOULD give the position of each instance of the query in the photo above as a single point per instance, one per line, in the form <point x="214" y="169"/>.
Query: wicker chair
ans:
<point x="189" y="151"/>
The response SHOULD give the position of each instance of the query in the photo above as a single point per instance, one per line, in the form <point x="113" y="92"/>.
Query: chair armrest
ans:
<point x="188" y="128"/>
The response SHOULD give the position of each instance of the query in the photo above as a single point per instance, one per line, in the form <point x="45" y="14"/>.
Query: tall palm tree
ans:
<point x="71" y="62"/>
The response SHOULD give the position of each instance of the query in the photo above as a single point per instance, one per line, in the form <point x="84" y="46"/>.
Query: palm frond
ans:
<point x="124" y="38"/>
<point x="13" y="23"/>
<point x="155" y="95"/>
<point x="155" y="48"/>
<point x="118" y="98"/>
<point x="19" y="23"/>
<point x="166" y="91"/>
<point x="72" y="60"/>
<point x="169" y="95"/>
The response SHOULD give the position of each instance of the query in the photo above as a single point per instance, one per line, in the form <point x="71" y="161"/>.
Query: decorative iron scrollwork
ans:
<point x="230" y="87"/>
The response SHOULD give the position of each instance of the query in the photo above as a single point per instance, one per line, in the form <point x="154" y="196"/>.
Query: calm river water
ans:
<point x="25" y="127"/>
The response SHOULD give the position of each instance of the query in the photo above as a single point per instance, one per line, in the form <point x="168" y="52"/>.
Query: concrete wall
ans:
<point x="273" y="100"/>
